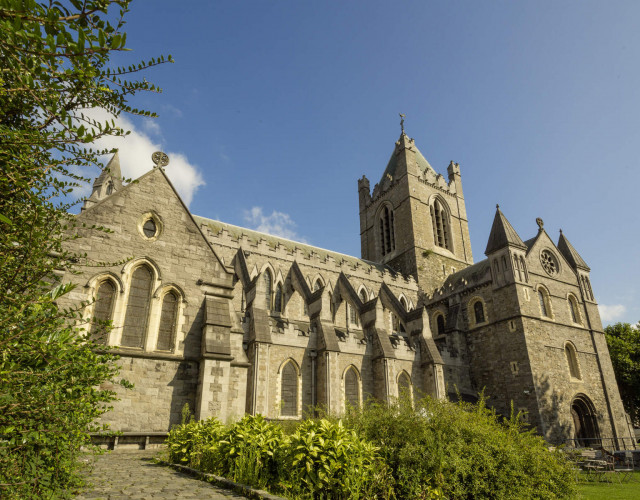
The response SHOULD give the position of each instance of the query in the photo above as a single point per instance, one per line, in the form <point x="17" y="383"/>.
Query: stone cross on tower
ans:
<point x="160" y="159"/>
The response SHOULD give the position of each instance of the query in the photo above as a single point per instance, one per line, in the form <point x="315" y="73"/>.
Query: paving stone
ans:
<point x="133" y="475"/>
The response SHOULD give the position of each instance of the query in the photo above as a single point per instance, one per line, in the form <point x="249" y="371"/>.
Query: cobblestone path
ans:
<point x="132" y="474"/>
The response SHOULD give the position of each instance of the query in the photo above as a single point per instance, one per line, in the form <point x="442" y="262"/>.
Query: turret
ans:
<point x="108" y="182"/>
<point x="506" y="252"/>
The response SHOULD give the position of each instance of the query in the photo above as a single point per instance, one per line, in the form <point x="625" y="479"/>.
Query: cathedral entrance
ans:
<point x="585" y="422"/>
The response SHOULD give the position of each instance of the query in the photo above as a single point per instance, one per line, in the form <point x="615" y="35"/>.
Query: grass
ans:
<point x="613" y="490"/>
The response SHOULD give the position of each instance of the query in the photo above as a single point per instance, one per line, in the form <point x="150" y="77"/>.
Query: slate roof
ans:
<point x="571" y="254"/>
<point x="472" y="274"/>
<point x="254" y="237"/>
<point x="502" y="234"/>
<point x="395" y="156"/>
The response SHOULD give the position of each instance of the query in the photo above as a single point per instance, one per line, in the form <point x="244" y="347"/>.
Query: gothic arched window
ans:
<point x="363" y="296"/>
<point x="478" y="312"/>
<point x="573" y="309"/>
<point x="136" y="317"/>
<point x="289" y="390"/>
<point x="387" y="230"/>
<point x="524" y="269"/>
<point x="404" y="384"/>
<point x="168" y="317"/>
<point x="277" y="301"/>
<point x="440" y="324"/>
<point x="572" y="360"/>
<point x="317" y="285"/>
<point x="440" y="222"/>
<point x="351" y="388"/>
<point x="545" y="306"/>
<point x="353" y="315"/>
<point x="403" y="302"/>
<point x="268" y="289"/>
<point x="103" y="310"/>
<point x="109" y="188"/>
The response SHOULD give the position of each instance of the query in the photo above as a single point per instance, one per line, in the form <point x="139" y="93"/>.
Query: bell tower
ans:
<point x="415" y="220"/>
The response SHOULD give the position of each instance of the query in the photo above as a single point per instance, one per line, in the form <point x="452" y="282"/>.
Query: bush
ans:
<point x="462" y="451"/>
<point x="186" y="443"/>
<point x="327" y="460"/>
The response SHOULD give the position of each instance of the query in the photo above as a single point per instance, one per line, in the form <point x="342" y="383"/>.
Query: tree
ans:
<point x="623" y="340"/>
<point x="54" y="69"/>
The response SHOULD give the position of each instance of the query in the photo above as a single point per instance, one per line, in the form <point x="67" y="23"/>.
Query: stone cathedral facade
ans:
<point x="233" y="321"/>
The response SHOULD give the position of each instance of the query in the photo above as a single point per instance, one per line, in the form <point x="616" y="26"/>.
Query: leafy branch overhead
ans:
<point x="54" y="70"/>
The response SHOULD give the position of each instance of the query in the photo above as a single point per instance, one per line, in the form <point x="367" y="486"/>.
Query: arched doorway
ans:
<point x="585" y="422"/>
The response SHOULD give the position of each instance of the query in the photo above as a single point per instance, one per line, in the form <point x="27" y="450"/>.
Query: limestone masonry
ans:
<point x="233" y="321"/>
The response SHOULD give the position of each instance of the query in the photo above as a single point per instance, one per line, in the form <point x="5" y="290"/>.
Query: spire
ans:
<point x="399" y="162"/>
<point x="108" y="182"/>
<point x="570" y="253"/>
<point x="110" y="172"/>
<point x="502" y="234"/>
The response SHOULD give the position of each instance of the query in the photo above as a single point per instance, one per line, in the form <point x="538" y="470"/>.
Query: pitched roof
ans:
<point x="571" y="253"/>
<point x="502" y="234"/>
<point x="111" y="171"/>
<point x="404" y="143"/>
<point x="237" y="232"/>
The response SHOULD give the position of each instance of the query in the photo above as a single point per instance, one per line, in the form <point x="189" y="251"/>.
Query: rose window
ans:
<point x="549" y="262"/>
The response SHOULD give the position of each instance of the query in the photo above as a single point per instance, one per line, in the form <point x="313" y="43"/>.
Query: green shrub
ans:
<point x="249" y="452"/>
<point x="462" y="451"/>
<point x="187" y="443"/>
<point x="327" y="460"/>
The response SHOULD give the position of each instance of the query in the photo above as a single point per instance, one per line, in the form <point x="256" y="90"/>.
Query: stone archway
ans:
<point x="585" y="422"/>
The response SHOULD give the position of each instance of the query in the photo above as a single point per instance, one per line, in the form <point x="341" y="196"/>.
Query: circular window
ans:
<point x="549" y="262"/>
<point x="149" y="228"/>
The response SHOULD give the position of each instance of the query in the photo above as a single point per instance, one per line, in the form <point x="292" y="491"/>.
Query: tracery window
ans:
<point x="549" y="262"/>
<point x="268" y="289"/>
<point x="386" y="230"/>
<point x="572" y="360"/>
<point x="289" y="390"/>
<point x="103" y="309"/>
<point x="137" y="315"/>
<point x="351" y="388"/>
<point x="168" y="316"/>
<point x="440" y="222"/>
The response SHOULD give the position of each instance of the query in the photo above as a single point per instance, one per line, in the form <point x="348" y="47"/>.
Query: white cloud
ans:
<point x="135" y="152"/>
<point x="277" y="224"/>
<point x="151" y="126"/>
<point x="612" y="312"/>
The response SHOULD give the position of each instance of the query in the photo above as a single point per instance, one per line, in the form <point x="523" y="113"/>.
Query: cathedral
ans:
<point x="234" y="321"/>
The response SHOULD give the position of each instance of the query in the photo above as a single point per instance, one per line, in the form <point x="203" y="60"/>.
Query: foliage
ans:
<point x="623" y="340"/>
<point x="327" y="460"/>
<point x="461" y="451"/>
<point x="186" y="443"/>
<point x="53" y="70"/>
<point x="248" y="451"/>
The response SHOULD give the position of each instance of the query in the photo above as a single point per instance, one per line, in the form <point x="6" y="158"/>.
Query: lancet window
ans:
<point x="168" y="316"/>
<point x="268" y="289"/>
<point x="572" y="360"/>
<point x="137" y="315"/>
<point x="351" y="388"/>
<point x="289" y="391"/>
<point x="386" y="230"/>
<point x="441" y="228"/>
<point x="103" y="309"/>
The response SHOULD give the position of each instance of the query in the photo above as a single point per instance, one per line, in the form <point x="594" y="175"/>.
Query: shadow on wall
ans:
<point x="555" y="411"/>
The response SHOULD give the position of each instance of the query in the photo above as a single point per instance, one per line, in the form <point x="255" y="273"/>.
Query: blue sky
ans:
<point x="274" y="109"/>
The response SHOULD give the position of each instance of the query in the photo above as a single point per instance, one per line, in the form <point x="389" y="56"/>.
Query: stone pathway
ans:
<point x="132" y="474"/>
